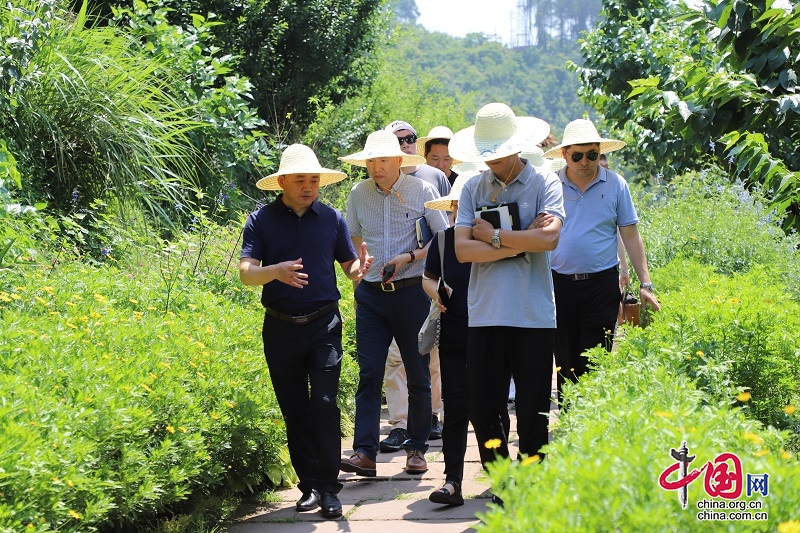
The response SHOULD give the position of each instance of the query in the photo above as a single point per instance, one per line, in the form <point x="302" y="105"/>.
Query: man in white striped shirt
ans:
<point x="382" y="211"/>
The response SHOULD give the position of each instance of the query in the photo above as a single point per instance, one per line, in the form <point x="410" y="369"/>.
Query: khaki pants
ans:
<point x="394" y="383"/>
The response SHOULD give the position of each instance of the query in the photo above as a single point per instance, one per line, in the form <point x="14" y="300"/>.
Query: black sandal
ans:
<point x="444" y="495"/>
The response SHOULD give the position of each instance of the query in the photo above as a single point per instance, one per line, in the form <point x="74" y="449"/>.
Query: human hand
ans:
<point x="542" y="220"/>
<point x="482" y="230"/>
<point x="649" y="299"/>
<point x="365" y="260"/>
<point x="289" y="273"/>
<point x="624" y="278"/>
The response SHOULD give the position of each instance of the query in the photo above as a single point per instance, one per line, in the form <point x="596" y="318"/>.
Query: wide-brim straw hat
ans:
<point x="382" y="143"/>
<point x="438" y="132"/>
<point x="300" y="159"/>
<point x="582" y="131"/>
<point x="535" y="156"/>
<point x="466" y="171"/>
<point x="497" y="133"/>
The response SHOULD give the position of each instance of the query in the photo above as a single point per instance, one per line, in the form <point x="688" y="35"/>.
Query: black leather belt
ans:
<point x="395" y="285"/>
<point x="581" y="277"/>
<point x="298" y="320"/>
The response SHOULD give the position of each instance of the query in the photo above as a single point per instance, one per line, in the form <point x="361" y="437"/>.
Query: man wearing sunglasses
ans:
<point x="585" y="264"/>
<point x="395" y="379"/>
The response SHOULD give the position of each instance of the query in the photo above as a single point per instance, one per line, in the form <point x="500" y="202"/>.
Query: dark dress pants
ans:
<point x="586" y="314"/>
<point x="381" y="316"/>
<point x="528" y="354"/>
<point x="453" y="367"/>
<point x="299" y="356"/>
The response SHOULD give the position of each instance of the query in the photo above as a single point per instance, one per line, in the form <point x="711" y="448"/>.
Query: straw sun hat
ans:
<point x="535" y="156"/>
<point x="438" y="132"/>
<point x="300" y="159"/>
<point x="582" y="131"/>
<point x="466" y="171"/>
<point x="497" y="133"/>
<point x="382" y="143"/>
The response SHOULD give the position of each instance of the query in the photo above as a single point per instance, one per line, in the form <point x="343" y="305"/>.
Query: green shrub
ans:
<point x="115" y="407"/>
<point x="702" y="216"/>
<point x="612" y="443"/>
<point x="732" y="334"/>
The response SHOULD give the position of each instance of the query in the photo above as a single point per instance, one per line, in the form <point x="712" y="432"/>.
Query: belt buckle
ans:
<point x="385" y="287"/>
<point x="299" y="320"/>
<point x="580" y="277"/>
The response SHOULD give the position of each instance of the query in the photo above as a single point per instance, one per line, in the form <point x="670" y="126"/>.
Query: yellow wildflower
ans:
<point x="789" y="409"/>
<point x="493" y="443"/>
<point x="75" y="514"/>
<point x="700" y="353"/>
<point x="734" y="300"/>
<point x="145" y="387"/>
<point x="752" y="437"/>
<point x="792" y="526"/>
<point x="743" y="396"/>
<point x="663" y="414"/>
<point x="786" y="455"/>
<point x="530" y="460"/>
<point x="761" y="453"/>
<point x="171" y="429"/>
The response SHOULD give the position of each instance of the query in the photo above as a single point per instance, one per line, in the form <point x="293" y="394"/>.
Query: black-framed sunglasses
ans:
<point x="410" y="139"/>
<point x="577" y="157"/>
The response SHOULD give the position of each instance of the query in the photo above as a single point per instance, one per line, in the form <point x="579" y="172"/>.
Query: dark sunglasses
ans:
<point x="577" y="157"/>
<point x="410" y="139"/>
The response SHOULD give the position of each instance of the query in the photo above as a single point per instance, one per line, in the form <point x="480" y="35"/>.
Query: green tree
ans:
<point x="293" y="52"/>
<point x="697" y="87"/>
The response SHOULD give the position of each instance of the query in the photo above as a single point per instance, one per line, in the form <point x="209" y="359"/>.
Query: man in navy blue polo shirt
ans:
<point x="290" y="246"/>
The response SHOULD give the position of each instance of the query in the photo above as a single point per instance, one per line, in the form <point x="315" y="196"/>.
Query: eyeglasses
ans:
<point x="410" y="139"/>
<point x="577" y="157"/>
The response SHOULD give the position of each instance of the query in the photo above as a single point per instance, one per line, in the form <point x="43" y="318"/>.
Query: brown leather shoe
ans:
<point x="416" y="463"/>
<point x="360" y="464"/>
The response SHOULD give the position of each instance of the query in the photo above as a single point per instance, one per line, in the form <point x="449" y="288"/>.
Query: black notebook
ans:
<point x="503" y="216"/>
<point x="424" y="233"/>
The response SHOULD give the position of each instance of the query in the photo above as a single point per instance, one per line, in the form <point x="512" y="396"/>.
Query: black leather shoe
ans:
<point x="394" y="441"/>
<point x="436" y="429"/>
<point x="308" y="502"/>
<point x="330" y="506"/>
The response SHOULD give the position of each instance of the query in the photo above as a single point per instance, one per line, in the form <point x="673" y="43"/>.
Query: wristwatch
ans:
<point x="496" y="239"/>
<point x="648" y="287"/>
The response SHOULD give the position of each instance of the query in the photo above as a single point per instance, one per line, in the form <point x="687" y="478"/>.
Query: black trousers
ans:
<point x="528" y="354"/>
<point x="453" y="368"/>
<point x="304" y="364"/>
<point x="586" y="314"/>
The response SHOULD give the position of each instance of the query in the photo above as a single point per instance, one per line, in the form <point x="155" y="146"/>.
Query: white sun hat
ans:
<point x="497" y="133"/>
<point x="300" y="159"/>
<point x="582" y="131"/>
<point x="382" y="143"/>
<point x="535" y="156"/>
<point x="466" y="172"/>
<point x="438" y="132"/>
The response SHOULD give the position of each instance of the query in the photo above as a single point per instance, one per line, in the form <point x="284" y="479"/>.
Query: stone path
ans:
<point x="393" y="501"/>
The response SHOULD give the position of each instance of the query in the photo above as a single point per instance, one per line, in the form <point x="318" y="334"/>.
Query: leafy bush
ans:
<point x="745" y="324"/>
<point x="612" y="443"/>
<point x="703" y="217"/>
<point x="115" y="408"/>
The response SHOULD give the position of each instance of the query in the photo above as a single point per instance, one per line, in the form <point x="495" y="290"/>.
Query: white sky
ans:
<point x="460" y="17"/>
